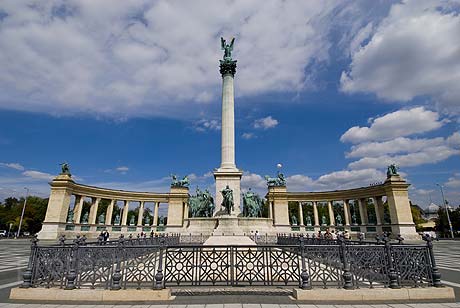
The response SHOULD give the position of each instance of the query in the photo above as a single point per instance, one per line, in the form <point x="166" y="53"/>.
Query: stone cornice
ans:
<point x="338" y="195"/>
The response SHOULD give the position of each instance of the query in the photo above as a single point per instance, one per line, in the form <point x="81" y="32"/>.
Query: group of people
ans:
<point x="331" y="235"/>
<point x="104" y="236"/>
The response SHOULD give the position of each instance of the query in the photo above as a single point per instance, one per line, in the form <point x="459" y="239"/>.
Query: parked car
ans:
<point x="2" y="233"/>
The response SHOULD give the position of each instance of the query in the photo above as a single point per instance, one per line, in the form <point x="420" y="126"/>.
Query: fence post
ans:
<point x="347" y="276"/>
<point x="304" y="275"/>
<point x="27" y="275"/>
<point x="400" y="239"/>
<point x="392" y="275"/>
<point x="62" y="240"/>
<point x="434" y="269"/>
<point x="72" y="274"/>
<point x="116" y="277"/>
<point x="159" y="275"/>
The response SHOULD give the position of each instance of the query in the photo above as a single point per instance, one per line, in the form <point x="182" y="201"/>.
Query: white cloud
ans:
<point x="122" y="169"/>
<point x="206" y="125"/>
<point x="38" y="175"/>
<point x="265" y="123"/>
<point x="248" y="136"/>
<point x="398" y="145"/>
<point x="454" y="182"/>
<point x="413" y="52"/>
<point x="126" y="58"/>
<point x="15" y="166"/>
<point x="252" y="180"/>
<point x="426" y="156"/>
<point x="396" y="124"/>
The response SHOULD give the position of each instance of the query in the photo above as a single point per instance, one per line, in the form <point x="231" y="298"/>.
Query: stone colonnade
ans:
<point x="63" y="188"/>
<point x="394" y="189"/>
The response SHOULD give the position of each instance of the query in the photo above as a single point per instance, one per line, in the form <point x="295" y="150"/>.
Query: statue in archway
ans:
<point x="131" y="220"/>
<point x="338" y="219"/>
<point x="308" y="219"/>
<point x="147" y="220"/>
<point x="252" y="204"/>
<point x="294" y="220"/>
<point x="116" y="221"/>
<point x="323" y="220"/>
<point x="70" y="216"/>
<point x="101" y="218"/>
<point x="85" y="218"/>
<point x="227" y="202"/>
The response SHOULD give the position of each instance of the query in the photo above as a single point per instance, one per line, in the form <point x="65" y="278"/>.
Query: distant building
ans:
<point x="431" y="212"/>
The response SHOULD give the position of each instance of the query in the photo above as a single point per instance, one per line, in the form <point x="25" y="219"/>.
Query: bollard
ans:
<point x="392" y="275"/>
<point x="305" y="285"/>
<point x="27" y="275"/>
<point x="347" y="276"/>
<point x="72" y="274"/>
<point x="159" y="275"/>
<point x="434" y="269"/>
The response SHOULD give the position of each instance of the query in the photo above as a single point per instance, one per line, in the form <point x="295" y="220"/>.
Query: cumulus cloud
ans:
<point x="248" y="136"/>
<point x="38" y="175"/>
<point x="396" y="124"/>
<point x="15" y="166"/>
<point x="266" y="123"/>
<point x="207" y="125"/>
<point x="252" y="180"/>
<point x="454" y="182"/>
<point x="413" y="52"/>
<point x="143" y="58"/>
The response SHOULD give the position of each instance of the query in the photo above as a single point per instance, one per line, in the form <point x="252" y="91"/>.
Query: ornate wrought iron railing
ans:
<point x="171" y="264"/>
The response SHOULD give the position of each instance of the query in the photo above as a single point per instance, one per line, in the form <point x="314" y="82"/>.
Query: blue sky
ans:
<point x="128" y="92"/>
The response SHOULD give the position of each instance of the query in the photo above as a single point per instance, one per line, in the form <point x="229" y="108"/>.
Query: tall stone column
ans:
<point x="346" y="212"/>
<point x="379" y="209"/>
<point x="109" y="213"/>
<point x="78" y="208"/>
<point x="228" y="174"/>
<point x="93" y="211"/>
<point x="124" y="219"/>
<point x="155" y="214"/>
<point x="315" y="212"/>
<point x="140" y="216"/>
<point x="362" y="205"/>
<point x="301" y="223"/>
<point x="331" y="214"/>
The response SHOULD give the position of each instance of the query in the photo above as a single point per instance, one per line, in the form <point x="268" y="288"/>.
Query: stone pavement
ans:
<point x="235" y="305"/>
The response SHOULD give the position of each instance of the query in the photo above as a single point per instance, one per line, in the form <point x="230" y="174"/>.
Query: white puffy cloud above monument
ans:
<point x="413" y="52"/>
<point x="142" y="58"/>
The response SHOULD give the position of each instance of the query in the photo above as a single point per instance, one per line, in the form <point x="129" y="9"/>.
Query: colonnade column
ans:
<point x="346" y="212"/>
<point x="300" y="214"/>
<point x="77" y="209"/>
<point x="124" y="218"/>
<point x="93" y="211"/>
<point x="155" y="213"/>
<point x="140" y="216"/>
<point x="315" y="213"/>
<point x="362" y="211"/>
<point x="270" y="209"/>
<point x="378" y="218"/>
<point x="379" y="210"/>
<point x="331" y="214"/>
<point x="185" y="210"/>
<point x="108" y="215"/>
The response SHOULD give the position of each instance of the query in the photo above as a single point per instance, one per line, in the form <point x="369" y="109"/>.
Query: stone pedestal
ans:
<point x="400" y="212"/>
<point x="232" y="178"/>
<point x="277" y="195"/>
<point x="178" y="196"/>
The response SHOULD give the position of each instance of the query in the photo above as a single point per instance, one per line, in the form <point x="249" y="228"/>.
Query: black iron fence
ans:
<point x="167" y="263"/>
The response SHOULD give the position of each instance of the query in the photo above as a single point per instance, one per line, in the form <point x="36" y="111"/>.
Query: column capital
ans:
<point x="227" y="67"/>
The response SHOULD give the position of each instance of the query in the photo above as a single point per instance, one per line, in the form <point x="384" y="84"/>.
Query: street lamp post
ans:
<point x="23" y="209"/>
<point x="447" y="211"/>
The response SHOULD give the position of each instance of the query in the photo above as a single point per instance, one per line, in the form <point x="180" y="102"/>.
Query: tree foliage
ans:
<point x="34" y="214"/>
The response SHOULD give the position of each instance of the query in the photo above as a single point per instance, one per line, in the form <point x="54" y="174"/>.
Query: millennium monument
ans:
<point x="211" y="241"/>
<point x="77" y="209"/>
